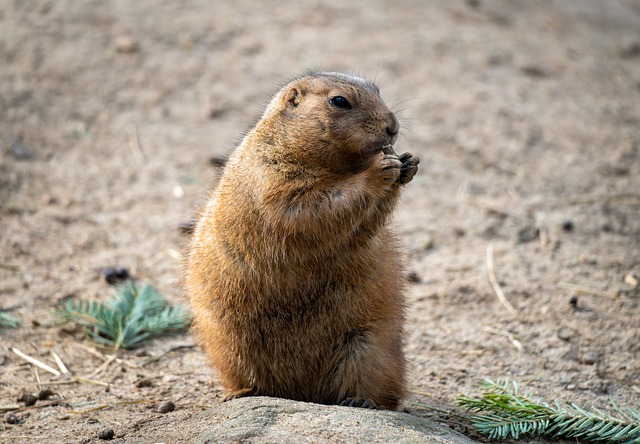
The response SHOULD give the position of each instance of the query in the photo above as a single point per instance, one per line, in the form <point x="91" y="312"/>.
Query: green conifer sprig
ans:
<point x="130" y="317"/>
<point x="502" y="412"/>
<point x="7" y="320"/>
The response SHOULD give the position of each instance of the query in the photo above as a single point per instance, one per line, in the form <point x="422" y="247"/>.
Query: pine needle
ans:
<point x="502" y="413"/>
<point x="129" y="318"/>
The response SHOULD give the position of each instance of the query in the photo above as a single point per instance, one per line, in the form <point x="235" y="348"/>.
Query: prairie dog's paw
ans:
<point x="242" y="393"/>
<point x="409" y="167"/>
<point x="359" y="402"/>
<point x="389" y="169"/>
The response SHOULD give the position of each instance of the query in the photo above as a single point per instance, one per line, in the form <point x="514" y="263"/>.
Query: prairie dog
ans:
<point x="295" y="280"/>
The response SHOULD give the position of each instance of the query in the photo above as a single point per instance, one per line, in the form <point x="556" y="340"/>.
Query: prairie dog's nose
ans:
<point x="392" y="125"/>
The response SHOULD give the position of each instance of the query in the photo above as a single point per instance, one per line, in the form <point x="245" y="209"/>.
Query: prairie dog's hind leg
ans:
<point x="366" y="373"/>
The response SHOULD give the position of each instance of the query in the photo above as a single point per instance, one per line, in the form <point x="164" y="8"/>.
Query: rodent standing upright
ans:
<point x="294" y="278"/>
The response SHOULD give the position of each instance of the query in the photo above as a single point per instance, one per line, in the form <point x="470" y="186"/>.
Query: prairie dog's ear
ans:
<point x="293" y="97"/>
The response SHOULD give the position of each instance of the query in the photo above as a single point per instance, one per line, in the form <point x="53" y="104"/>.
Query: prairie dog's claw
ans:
<point x="388" y="149"/>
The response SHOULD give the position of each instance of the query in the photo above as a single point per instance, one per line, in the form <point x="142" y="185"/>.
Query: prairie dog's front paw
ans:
<point x="389" y="169"/>
<point x="409" y="167"/>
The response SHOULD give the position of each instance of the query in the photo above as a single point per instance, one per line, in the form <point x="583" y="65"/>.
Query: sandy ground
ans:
<point x="526" y="116"/>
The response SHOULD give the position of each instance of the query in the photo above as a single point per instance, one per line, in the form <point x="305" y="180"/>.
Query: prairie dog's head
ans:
<point x="332" y="118"/>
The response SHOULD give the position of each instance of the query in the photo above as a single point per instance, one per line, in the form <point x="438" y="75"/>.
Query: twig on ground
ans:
<point x="159" y="356"/>
<point x="104" y="357"/>
<point x="102" y="366"/>
<point x="134" y="145"/>
<point x="544" y="238"/>
<point x="63" y="368"/>
<point x="553" y="202"/>
<point x="586" y="290"/>
<point x="514" y="341"/>
<point x="37" y="375"/>
<point x="35" y="362"/>
<point x="91" y="381"/>
<point x="435" y="409"/>
<point x="114" y="404"/>
<point x="9" y="267"/>
<point x="601" y="198"/>
<point x="9" y="407"/>
<point x="92" y="351"/>
<point x="55" y="372"/>
<point x="39" y="405"/>
<point x="494" y="281"/>
<point x="463" y="196"/>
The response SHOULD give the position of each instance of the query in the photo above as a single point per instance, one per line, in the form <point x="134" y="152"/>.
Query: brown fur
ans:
<point x="294" y="278"/>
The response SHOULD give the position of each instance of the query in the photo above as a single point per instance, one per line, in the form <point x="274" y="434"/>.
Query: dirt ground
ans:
<point x="526" y="116"/>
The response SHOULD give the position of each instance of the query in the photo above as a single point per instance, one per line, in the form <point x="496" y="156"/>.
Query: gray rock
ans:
<point x="273" y="420"/>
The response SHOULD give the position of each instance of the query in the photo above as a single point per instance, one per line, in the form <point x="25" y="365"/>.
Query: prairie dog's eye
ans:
<point x="340" y="102"/>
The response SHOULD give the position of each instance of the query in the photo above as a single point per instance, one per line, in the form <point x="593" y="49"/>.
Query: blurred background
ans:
<point x="525" y="115"/>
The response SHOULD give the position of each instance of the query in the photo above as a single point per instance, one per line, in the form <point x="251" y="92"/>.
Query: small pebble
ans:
<point x="571" y="387"/>
<point x="528" y="234"/>
<point x="583" y="386"/>
<point x="630" y="50"/>
<point x="114" y="275"/>
<point x="145" y="382"/>
<point x="459" y="232"/>
<point x="567" y="225"/>
<point x="166" y="407"/>
<point x="565" y="334"/>
<point x="574" y="301"/>
<point x="27" y="398"/>
<point x="427" y="245"/>
<point x="534" y="71"/>
<point x="63" y="417"/>
<point x="589" y="358"/>
<point x="573" y="354"/>
<point x="125" y="44"/>
<point x="12" y="418"/>
<point x="106" y="434"/>
<point x="18" y="150"/>
<point x="45" y="394"/>
<point x="631" y="280"/>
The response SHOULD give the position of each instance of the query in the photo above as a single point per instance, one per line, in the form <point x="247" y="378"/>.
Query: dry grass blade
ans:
<point x="115" y="404"/>
<point x="134" y="145"/>
<point x="586" y="290"/>
<point x="63" y="368"/>
<point x="514" y="341"/>
<point x="494" y="281"/>
<point x="9" y="267"/>
<point x="35" y="362"/>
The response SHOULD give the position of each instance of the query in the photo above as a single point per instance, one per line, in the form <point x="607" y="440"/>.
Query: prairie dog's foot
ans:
<point x="408" y="169"/>
<point x="242" y="393"/>
<point x="359" y="402"/>
<point x="390" y="168"/>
